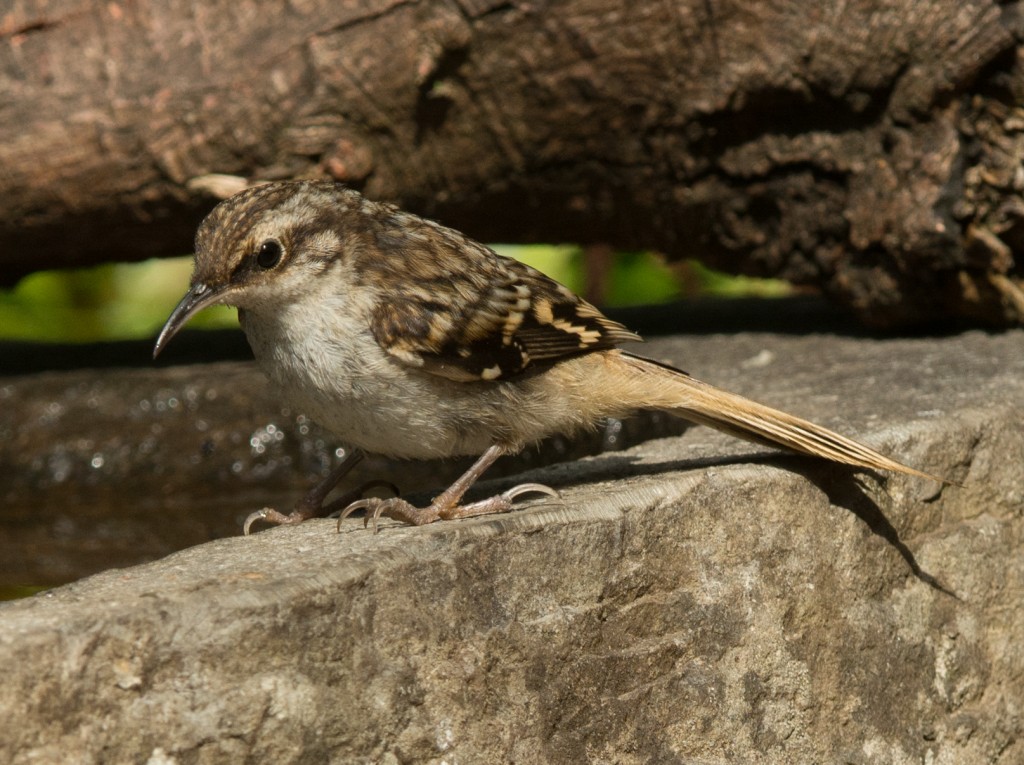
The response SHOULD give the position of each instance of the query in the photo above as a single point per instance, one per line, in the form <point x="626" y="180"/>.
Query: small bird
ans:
<point x="407" y="339"/>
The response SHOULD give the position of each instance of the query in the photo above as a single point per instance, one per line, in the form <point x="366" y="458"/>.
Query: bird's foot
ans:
<point x="275" y="517"/>
<point x="308" y="508"/>
<point x="401" y="510"/>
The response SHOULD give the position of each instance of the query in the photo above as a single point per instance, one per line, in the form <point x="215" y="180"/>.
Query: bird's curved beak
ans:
<point x="196" y="299"/>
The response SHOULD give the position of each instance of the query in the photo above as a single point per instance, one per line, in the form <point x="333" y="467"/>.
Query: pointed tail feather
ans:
<point x="691" y="399"/>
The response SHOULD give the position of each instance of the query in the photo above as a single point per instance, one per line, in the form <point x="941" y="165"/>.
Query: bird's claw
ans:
<point x="373" y="506"/>
<point x="259" y="515"/>
<point x="529" y="488"/>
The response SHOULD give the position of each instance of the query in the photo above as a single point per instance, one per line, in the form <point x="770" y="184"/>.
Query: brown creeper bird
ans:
<point x="407" y="339"/>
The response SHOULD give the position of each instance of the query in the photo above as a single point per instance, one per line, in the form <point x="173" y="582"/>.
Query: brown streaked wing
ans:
<point x="499" y="327"/>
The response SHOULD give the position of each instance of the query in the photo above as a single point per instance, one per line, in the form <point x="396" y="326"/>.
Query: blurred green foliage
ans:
<point x="109" y="302"/>
<point x="633" y="278"/>
<point x="122" y="301"/>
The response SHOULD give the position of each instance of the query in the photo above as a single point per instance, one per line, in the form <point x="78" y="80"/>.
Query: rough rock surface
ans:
<point x="694" y="599"/>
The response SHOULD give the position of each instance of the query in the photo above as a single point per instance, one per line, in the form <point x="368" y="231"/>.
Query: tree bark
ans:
<point x="872" y="149"/>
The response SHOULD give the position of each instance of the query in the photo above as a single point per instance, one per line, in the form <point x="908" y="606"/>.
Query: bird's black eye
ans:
<point x="269" y="254"/>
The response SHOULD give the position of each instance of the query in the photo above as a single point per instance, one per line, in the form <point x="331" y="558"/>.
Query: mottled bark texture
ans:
<point x="871" y="148"/>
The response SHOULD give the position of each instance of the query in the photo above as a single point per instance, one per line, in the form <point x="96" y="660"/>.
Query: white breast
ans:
<point x="328" y="366"/>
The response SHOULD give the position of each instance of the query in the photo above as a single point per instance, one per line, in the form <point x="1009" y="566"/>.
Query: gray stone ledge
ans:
<point x="694" y="599"/>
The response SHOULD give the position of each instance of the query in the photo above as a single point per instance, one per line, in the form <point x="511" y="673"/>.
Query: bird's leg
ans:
<point x="312" y="504"/>
<point x="445" y="505"/>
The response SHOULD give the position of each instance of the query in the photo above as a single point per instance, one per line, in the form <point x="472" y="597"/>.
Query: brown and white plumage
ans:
<point x="408" y="339"/>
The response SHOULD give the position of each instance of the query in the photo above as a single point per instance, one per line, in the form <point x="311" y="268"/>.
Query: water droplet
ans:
<point x="97" y="461"/>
